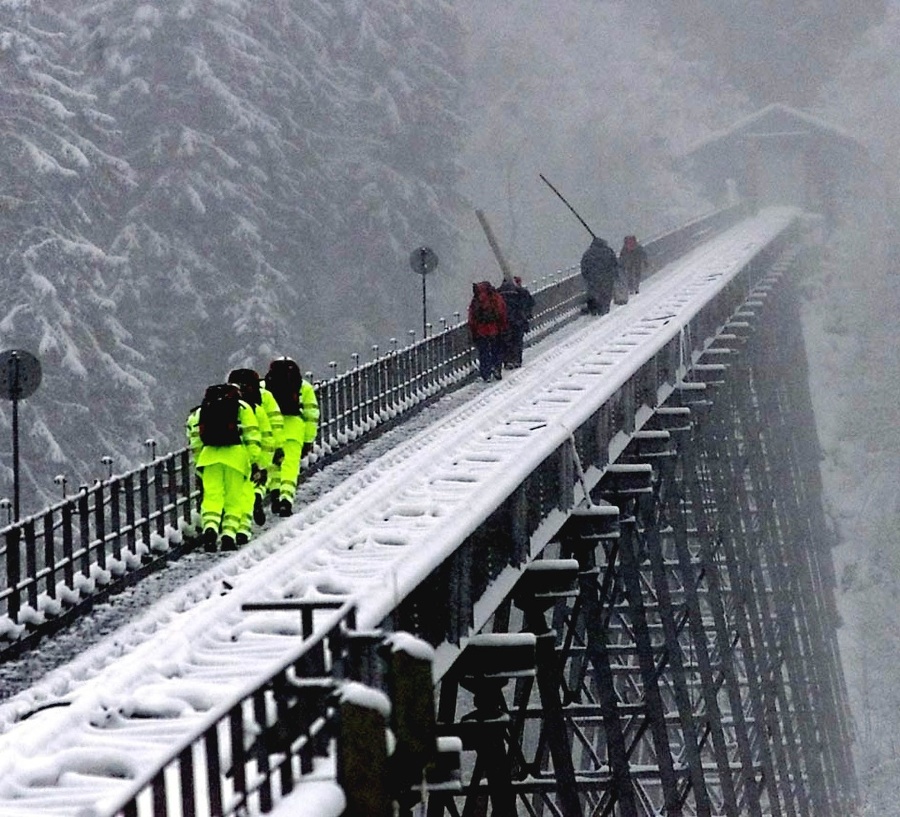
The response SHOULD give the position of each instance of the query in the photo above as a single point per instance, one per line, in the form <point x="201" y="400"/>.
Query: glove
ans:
<point x="278" y="456"/>
<point x="259" y="476"/>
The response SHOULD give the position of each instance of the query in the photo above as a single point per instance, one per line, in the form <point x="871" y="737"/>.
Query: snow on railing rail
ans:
<point x="442" y="609"/>
<point x="611" y="377"/>
<point x="103" y="536"/>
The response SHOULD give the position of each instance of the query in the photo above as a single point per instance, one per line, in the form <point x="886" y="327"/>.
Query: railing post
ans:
<point x="334" y="390"/>
<point x="49" y="552"/>
<point x="13" y="567"/>
<point x="393" y="378"/>
<point x="355" y="395"/>
<point x="69" y="567"/>
<point x="100" y="524"/>
<point x="336" y="402"/>
<point x="186" y="485"/>
<point x="411" y="369"/>
<point x="84" y="530"/>
<point x="31" y="569"/>
<point x="130" y="515"/>
<point x="159" y="496"/>
<point x="115" y="516"/>
<point x="144" y="486"/>
<point x="171" y="515"/>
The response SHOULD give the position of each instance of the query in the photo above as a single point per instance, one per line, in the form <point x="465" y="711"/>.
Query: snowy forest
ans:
<point x="187" y="186"/>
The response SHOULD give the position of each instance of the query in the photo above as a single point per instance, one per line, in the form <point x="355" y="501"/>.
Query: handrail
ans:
<point x="318" y="658"/>
<point x="95" y="540"/>
<point x="441" y="609"/>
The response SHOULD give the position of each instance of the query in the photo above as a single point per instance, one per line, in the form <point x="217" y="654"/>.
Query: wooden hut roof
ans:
<point x="776" y="119"/>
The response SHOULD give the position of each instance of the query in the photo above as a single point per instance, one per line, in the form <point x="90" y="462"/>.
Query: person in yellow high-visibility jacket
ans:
<point x="225" y="462"/>
<point x="299" y="407"/>
<point x="247" y="380"/>
<point x="276" y="419"/>
<point x="271" y="425"/>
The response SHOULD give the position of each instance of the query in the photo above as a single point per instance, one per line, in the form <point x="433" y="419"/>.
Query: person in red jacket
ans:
<point x="487" y="324"/>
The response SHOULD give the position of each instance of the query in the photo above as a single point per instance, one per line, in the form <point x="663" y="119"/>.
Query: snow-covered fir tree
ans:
<point x="262" y="165"/>
<point x="397" y="170"/>
<point x="205" y="95"/>
<point x="60" y="172"/>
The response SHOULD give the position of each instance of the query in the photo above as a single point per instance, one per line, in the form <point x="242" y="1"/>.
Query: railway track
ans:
<point x="73" y="738"/>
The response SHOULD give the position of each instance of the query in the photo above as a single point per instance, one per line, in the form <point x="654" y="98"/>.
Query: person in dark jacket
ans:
<point x="633" y="262"/>
<point x="599" y="268"/>
<point x="519" y="308"/>
<point x="487" y="323"/>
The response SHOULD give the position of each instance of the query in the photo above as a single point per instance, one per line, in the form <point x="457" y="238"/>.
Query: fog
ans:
<point x="591" y="96"/>
<point x="185" y="192"/>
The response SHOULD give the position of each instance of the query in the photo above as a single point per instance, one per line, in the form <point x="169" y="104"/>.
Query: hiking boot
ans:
<point x="275" y="500"/>
<point x="242" y="539"/>
<point x="209" y="540"/>
<point x="259" y="513"/>
<point x="228" y="543"/>
<point x="285" y="507"/>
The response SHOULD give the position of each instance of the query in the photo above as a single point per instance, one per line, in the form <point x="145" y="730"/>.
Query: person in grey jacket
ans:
<point x="599" y="268"/>
<point x="633" y="263"/>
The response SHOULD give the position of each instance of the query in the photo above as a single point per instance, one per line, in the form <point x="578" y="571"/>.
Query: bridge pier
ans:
<point x="597" y="529"/>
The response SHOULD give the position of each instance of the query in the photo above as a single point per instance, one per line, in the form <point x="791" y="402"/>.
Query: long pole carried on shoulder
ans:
<point x="563" y="199"/>
<point x="498" y="254"/>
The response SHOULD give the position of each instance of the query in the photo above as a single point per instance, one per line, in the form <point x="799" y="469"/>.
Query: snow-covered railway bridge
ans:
<point x="613" y="564"/>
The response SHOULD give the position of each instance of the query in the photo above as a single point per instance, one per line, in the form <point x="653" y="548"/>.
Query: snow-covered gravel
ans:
<point x="121" y="609"/>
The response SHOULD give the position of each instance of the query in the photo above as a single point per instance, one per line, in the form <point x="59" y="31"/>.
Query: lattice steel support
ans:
<point x="697" y="669"/>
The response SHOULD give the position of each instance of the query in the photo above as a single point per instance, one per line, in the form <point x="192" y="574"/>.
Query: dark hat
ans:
<point x="242" y="376"/>
<point x="283" y="364"/>
<point x="248" y="382"/>
<point x="221" y="390"/>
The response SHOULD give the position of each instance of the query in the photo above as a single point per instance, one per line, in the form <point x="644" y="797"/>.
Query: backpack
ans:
<point x="284" y="381"/>
<point x="219" y="422"/>
<point x="484" y="309"/>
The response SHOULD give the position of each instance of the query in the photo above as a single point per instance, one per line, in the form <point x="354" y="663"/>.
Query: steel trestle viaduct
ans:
<point x="646" y="625"/>
<point x="685" y="658"/>
<point x="685" y="661"/>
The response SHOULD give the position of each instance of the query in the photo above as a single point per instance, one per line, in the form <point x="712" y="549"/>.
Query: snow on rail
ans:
<point x="66" y="743"/>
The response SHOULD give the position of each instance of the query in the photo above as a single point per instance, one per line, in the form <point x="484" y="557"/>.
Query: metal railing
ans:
<point x="273" y="728"/>
<point x="250" y="750"/>
<point x="95" y="540"/>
